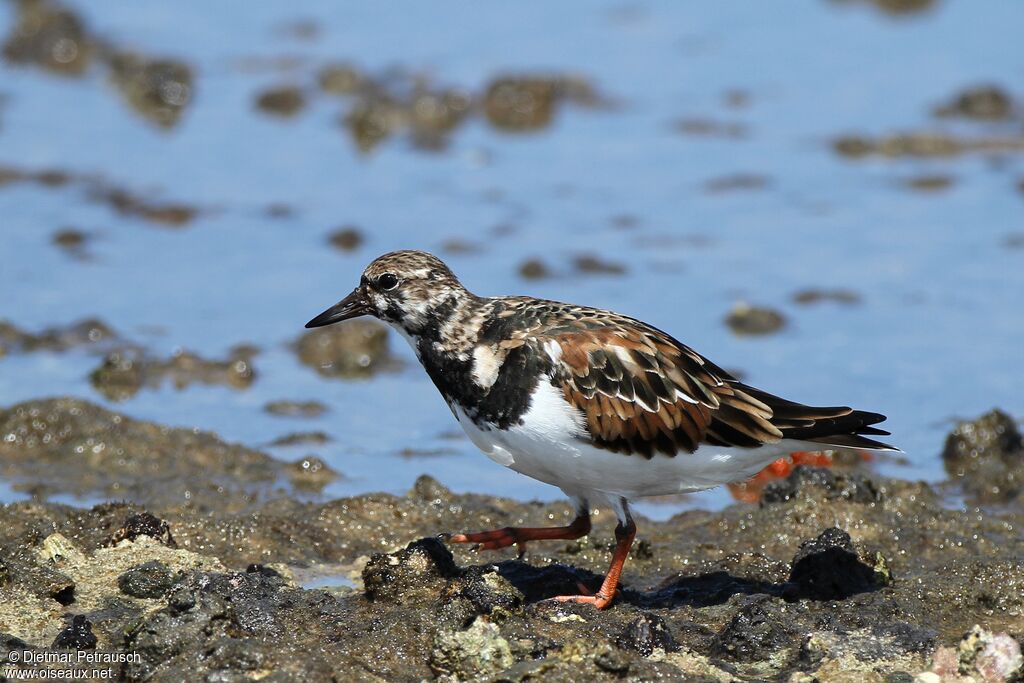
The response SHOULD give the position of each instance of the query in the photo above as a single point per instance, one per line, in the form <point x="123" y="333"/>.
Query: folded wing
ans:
<point x="643" y="392"/>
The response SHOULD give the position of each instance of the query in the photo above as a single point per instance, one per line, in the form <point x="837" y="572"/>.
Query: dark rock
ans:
<point x="157" y="89"/>
<point x="311" y="473"/>
<point x="419" y="569"/>
<point x="301" y="438"/>
<point x="900" y="7"/>
<point x="123" y="373"/>
<point x="283" y="101"/>
<point x="534" y="269"/>
<point x="340" y="79"/>
<point x="475" y="591"/>
<point x="168" y="214"/>
<point x="815" y="295"/>
<point x="828" y="568"/>
<point x="899" y="677"/>
<point x="49" y="37"/>
<point x="263" y="569"/>
<point x="930" y="183"/>
<point x="295" y="408"/>
<point x="8" y="643"/>
<point x="520" y="103"/>
<point x="77" y="635"/>
<point x="430" y="490"/>
<point x="69" y="238"/>
<point x="987" y="457"/>
<point x="647" y="633"/>
<point x="144" y="524"/>
<point x="924" y="145"/>
<point x="757" y="632"/>
<point x="373" y="120"/>
<point x="821" y="482"/>
<point x="593" y="265"/>
<point x="149" y="580"/>
<point x="983" y="102"/>
<point x="613" y="661"/>
<point x="346" y="238"/>
<point x="737" y="182"/>
<point x="58" y="338"/>
<point x="711" y="128"/>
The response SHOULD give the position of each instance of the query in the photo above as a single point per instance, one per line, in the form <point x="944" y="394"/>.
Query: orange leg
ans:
<point x="624" y="535"/>
<point x="518" y="536"/>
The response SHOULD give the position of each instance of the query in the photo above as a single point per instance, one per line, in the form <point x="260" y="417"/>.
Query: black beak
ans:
<point x="352" y="306"/>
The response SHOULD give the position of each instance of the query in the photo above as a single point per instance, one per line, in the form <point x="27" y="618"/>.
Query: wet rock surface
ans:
<point x="835" y="576"/>
<point x="72" y="446"/>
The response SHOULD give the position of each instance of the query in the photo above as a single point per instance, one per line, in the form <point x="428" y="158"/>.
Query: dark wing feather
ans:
<point x="643" y="392"/>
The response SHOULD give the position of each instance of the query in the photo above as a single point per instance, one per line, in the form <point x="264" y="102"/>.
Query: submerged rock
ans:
<point x="60" y="338"/>
<point x="50" y="37"/>
<point x="357" y="348"/>
<point x="157" y="89"/>
<point x="745" y="319"/>
<point x="125" y="372"/>
<point x="984" y="102"/>
<point x="284" y="101"/>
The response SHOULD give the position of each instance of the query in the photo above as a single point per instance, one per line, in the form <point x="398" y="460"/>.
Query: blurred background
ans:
<point x="828" y="203"/>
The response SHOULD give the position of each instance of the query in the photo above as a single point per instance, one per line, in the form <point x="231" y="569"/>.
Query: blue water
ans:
<point x="937" y="334"/>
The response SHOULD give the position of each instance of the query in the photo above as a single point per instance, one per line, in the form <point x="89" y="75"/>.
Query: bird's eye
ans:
<point x="387" y="281"/>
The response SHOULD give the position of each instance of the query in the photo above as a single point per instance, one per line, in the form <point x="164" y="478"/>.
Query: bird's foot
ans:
<point x="493" y="540"/>
<point x="598" y="599"/>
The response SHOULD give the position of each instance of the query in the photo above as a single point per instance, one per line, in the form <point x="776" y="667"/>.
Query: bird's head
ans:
<point x="409" y="289"/>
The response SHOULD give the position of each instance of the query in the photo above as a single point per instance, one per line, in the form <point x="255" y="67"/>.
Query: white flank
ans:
<point x="546" y="447"/>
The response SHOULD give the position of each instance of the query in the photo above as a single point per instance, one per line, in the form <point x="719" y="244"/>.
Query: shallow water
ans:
<point x="712" y="219"/>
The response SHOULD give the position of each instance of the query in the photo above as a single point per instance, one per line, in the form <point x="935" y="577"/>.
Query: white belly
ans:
<point x="545" y="446"/>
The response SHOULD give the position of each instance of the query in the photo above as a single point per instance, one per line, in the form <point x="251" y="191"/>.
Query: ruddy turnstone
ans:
<point x="603" y="406"/>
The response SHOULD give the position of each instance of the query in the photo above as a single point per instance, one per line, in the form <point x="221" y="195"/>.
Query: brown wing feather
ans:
<point x="643" y="392"/>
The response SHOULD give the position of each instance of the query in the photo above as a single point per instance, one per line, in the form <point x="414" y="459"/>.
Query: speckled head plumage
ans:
<point x="409" y="289"/>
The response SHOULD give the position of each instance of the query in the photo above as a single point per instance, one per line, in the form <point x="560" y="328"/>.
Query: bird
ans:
<point x="605" y="407"/>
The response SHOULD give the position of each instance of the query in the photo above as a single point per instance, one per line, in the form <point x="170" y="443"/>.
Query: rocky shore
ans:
<point x="210" y="567"/>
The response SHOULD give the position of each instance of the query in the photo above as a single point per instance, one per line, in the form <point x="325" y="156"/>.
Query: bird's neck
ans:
<point x="451" y="325"/>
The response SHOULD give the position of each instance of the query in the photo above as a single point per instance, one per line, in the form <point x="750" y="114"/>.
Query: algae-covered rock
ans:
<point x="473" y="653"/>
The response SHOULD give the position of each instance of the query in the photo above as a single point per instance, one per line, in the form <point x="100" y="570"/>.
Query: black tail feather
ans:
<point x="830" y="426"/>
